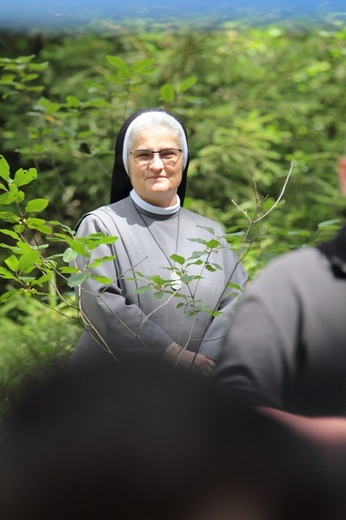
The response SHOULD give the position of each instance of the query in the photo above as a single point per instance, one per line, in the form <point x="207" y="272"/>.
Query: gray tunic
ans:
<point x="134" y="325"/>
<point x="287" y="344"/>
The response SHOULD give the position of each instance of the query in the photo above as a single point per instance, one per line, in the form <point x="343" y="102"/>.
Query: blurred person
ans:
<point x="286" y="348"/>
<point x="155" y="444"/>
<point x="146" y="213"/>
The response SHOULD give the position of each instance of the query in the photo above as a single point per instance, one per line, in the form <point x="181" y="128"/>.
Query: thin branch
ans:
<point x="255" y="220"/>
<point x="279" y="197"/>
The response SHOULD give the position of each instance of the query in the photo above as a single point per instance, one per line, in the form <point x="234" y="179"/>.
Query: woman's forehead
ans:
<point x="151" y="137"/>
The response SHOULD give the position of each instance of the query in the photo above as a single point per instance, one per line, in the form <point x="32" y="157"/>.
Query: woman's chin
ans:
<point x="161" y="186"/>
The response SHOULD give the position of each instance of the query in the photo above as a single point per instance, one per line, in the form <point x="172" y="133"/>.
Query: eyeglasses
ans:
<point x="167" y="156"/>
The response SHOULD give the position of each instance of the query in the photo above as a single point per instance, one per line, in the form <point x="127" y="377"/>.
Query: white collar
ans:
<point x="154" y="209"/>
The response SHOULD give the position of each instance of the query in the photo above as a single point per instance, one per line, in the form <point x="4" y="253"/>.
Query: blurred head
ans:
<point x="342" y="174"/>
<point x="153" y="444"/>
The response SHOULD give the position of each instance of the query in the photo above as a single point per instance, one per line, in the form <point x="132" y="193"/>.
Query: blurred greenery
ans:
<point x="254" y="98"/>
<point x="32" y="343"/>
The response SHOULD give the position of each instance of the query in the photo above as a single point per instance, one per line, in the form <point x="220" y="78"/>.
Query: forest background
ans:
<point x="259" y="99"/>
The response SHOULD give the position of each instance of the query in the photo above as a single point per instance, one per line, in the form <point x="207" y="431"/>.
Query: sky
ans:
<point x="59" y="13"/>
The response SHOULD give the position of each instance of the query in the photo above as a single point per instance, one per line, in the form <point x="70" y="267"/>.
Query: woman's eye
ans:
<point x="144" y="155"/>
<point x="167" y="154"/>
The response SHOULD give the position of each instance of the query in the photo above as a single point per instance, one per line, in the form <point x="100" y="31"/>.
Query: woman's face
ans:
<point x="156" y="183"/>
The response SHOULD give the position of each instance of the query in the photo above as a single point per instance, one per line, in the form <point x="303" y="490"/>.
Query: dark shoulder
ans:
<point x="291" y="269"/>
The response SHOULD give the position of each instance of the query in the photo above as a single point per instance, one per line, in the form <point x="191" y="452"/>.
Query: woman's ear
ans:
<point x="342" y="174"/>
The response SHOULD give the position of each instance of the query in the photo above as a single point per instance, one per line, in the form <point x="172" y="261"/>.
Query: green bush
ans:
<point x="34" y="340"/>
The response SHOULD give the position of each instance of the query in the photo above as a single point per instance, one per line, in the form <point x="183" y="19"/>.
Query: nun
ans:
<point x="165" y="293"/>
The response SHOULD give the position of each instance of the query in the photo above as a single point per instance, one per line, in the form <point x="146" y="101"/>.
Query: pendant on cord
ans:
<point x="177" y="283"/>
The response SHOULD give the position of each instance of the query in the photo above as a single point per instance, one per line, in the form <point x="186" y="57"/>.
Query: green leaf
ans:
<point x="14" y="249"/>
<point x="142" y="65"/>
<point x="207" y="229"/>
<point x="69" y="255"/>
<point x="98" y="261"/>
<point x="237" y="234"/>
<point x="7" y="296"/>
<point x="7" y="79"/>
<point x="42" y="280"/>
<point x="28" y="261"/>
<point x="214" y="313"/>
<point x="68" y="270"/>
<point x="102" y="279"/>
<point x="213" y="244"/>
<point x="12" y="262"/>
<point x="235" y="286"/>
<point x="167" y="93"/>
<point x="19" y="228"/>
<point x="4" y="168"/>
<point x="24" y="247"/>
<point x="197" y="254"/>
<point x="36" y="205"/>
<point x="48" y="106"/>
<point x="95" y="103"/>
<point x="42" y="246"/>
<point x="143" y="289"/>
<point x="179" y="259"/>
<point x="9" y="216"/>
<point x="75" y="245"/>
<point x="10" y="233"/>
<point x="118" y="63"/>
<point x="5" y="273"/>
<point x="39" y="66"/>
<point x="157" y="280"/>
<point x="30" y="77"/>
<point x="94" y="240"/>
<point x="63" y="226"/>
<point x="186" y="84"/>
<point x="158" y="295"/>
<point x="198" y="240"/>
<point x="6" y="198"/>
<point x="76" y="279"/>
<point x="38" y="224"/>
<point x="73" y="101"/>
<point x="23" y="177"/>
<point x="329" y="223"/>
<point x="18" y="195"/>
<point x="197" y="262"/>
<point x="108" y="239"/>
<point x="188" y="279"/>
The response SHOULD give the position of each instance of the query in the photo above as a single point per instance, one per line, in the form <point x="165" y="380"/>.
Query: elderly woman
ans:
<point x="156" y="238"/>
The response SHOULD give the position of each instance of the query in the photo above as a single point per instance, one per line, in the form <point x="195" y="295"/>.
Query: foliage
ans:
<point x="28" y="265"/>
<point x="32" y="274"/>
<point x="253" y="98"/>
<point x="33" y="341"/>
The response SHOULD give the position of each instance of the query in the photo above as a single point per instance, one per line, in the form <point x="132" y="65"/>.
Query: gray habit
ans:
<point x="287" y="344"/>
<point x="134" y="325"/>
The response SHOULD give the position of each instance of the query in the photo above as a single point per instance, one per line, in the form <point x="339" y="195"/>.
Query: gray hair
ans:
<point x="149" y="120"/>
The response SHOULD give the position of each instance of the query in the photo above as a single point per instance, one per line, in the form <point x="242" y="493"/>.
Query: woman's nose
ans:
<point x="156" y="161"/>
